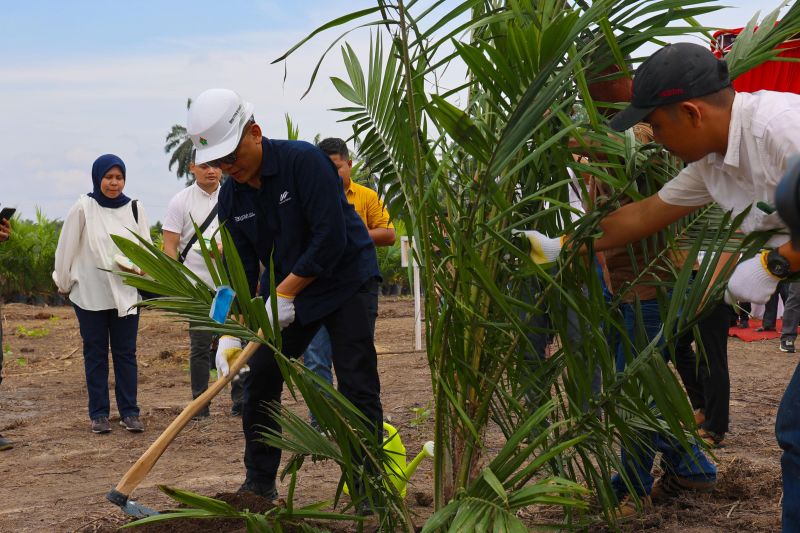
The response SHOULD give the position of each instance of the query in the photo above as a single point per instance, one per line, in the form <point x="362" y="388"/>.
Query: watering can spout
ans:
<point x="427" y="451"/>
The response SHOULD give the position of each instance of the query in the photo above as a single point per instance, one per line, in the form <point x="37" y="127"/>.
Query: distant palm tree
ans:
<point x="180" y="145"/>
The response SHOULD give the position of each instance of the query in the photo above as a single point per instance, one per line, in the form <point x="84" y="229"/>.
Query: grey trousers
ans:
<point x="201" y="360"/>
<point x="791" y="311"/>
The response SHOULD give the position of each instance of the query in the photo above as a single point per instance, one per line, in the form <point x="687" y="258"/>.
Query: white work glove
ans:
<point x="285" y="305"/>
<point x="227" y="349"/>
<point x="544" y="250"/>
<point x="751" y="282"/>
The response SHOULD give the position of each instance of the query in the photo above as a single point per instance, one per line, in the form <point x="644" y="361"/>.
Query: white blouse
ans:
<point x="85" y="247"/>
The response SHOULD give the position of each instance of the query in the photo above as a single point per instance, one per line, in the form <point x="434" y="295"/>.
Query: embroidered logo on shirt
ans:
<point x="284" y="197"/>
<point x="244" y="217"/>
<point x="203" y="141"/>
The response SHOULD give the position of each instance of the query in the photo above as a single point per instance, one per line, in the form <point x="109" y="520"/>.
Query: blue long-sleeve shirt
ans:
<point x="302" y="214"/>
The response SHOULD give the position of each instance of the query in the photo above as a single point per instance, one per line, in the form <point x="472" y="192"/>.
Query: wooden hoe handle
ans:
<point x="134" y="476"/>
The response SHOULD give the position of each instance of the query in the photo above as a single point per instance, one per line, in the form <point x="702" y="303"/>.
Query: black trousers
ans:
<point x="354" y="361"/>
<point x="706" y="379"/>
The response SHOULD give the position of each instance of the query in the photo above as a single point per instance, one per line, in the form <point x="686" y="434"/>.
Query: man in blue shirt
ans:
<point x="285" y="202"/>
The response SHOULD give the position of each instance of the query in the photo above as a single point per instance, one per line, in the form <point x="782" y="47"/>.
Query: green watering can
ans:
<point x="395" y="466"/>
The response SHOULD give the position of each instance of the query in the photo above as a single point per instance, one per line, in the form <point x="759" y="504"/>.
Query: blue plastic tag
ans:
<point x="221" y="305"/>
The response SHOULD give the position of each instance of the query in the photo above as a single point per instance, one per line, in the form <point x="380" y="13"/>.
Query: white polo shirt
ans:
<point x="764" y="134"/>
<point x="192" y="203"/>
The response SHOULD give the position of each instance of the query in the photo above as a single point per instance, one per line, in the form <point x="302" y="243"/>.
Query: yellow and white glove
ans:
<point x="544" y="250"/>
<point x="285" y="305"/>
<point x="751" y="281"/>
<point x="227" y="350"/>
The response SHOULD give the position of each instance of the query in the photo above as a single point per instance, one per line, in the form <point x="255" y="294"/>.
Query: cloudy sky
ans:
<point x="83" y="78"/>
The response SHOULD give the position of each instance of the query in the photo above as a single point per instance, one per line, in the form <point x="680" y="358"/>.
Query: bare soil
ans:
<point x="57" y="475"/>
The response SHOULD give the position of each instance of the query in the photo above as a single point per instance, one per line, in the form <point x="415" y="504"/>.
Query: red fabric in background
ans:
<point x="750" y="334"/>
<point x="783" y="76"/>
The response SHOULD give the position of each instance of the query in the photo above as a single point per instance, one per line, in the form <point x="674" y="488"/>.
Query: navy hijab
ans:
<point x="101" y="166"/>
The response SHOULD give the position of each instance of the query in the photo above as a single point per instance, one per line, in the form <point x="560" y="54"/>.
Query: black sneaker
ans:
<point x="101" y="425"/>
<point x="265" y="489"/>
<point x="236" y="410"/>
<point x="132" y="423"/>
<point x="787" y="345"/>
<point x="765" y="328"/>
<point x="744" y="324"/>
<point x="5" y="444"/>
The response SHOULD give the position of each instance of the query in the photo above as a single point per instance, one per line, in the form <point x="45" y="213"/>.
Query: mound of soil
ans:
<point x="241" y="501"/>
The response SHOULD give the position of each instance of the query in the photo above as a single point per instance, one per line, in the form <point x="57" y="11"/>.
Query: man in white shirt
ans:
<point x="197" y="203"/>
<point x="738" y="146"/>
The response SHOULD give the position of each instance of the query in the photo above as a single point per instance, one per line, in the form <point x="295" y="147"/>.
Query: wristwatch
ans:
<point x="777" y="265"/>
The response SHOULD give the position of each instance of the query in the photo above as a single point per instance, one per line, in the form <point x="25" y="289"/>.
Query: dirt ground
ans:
<point x="57" y="475"/>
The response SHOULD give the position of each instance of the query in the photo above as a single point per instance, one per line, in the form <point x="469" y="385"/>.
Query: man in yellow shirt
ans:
<point x="369" y="207"/>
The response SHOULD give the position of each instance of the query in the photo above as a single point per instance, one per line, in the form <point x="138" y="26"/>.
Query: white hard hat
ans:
<point x="216" y="120"/>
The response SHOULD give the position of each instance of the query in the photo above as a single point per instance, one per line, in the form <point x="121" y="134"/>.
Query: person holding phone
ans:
<point x="5" y="233"/>
<point x="104" y="305"/>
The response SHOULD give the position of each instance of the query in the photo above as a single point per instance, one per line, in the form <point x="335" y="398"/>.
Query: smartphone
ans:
<point x="7" y="212"/>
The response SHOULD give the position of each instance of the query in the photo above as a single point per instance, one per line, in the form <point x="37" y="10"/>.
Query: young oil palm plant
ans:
<point x="463" y="167"/>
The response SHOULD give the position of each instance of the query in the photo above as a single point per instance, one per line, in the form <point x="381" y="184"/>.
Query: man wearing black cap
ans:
<point x="737" y="146"/>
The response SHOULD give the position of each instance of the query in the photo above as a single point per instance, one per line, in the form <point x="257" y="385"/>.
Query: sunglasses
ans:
<point x="231" y="157"/>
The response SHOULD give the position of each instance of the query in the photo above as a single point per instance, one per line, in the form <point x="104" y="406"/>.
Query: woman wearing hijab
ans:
<point x="102" y="302"/>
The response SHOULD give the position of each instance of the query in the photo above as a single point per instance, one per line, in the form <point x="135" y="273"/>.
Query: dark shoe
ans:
<point x="5" y="444"/>
<point x="787" y="345"/>
<point x="265" y="489"/>
<point x="101" y="425"/>
<point x="765" y="328"/>
<point x="132" y="424"/>
<point x="668" y="486"/>
<point x="364" y="508"/>
<point x="202" y="414"/>
<point x="714" y="440"/>
<point x="744" y="324"/>
<point x="236" y="410"/>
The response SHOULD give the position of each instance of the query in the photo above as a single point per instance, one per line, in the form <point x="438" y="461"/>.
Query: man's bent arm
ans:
<point x="171" y="241"/>
<point x="382" y="236"/>
<point x="637" y="220"/>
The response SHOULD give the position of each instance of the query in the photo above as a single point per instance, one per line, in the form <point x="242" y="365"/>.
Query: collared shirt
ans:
<point x="763" y="135"/>
<point x="85" y="255"/>
<point x="302" y="220"/>
<point x="368" y="206"/>
<point x="192" y="203"/>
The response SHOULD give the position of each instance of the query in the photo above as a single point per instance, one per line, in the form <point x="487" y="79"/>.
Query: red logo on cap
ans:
<point x="670" y="92"/>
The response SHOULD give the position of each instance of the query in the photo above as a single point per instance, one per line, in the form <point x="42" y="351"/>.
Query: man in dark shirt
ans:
<point x="285" y="202"/>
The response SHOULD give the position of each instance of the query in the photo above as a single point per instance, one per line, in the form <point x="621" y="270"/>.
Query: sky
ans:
<point x="84" y="78"/>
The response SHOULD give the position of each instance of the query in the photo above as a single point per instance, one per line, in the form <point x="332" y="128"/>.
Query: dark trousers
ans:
<point x="97" y="328"/>
<point x="771" y="308"/>
<point x="201" y="360"/>
<point x="745" y="308"/>
<point x="354" y="361"/>
<point x="787" y="429"/>
<point x="706" y="379"/>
